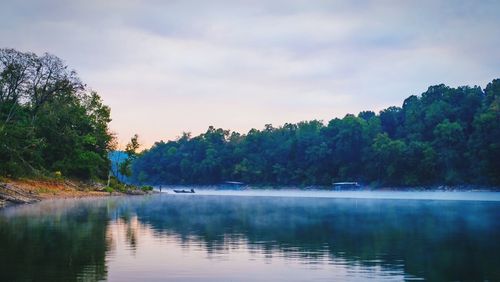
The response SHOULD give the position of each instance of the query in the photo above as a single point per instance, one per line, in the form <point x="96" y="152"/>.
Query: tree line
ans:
<point x="444" y="136"/>
<point x="50" y="122"/>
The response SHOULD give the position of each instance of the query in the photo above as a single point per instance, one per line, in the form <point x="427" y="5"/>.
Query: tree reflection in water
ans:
<point x="75" y="240"/>
<point x="54" y="241"/>
<point x="436" y="240"/>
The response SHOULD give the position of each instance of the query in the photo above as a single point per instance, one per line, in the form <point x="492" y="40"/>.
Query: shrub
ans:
<point x="117" y="185"/>
<point x="147" y="188"/>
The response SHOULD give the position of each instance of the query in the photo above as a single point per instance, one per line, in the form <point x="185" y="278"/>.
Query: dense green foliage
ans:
<point x="49" y="122"/>
<point x="125" y="167"/>
<point x="445" y="136"/>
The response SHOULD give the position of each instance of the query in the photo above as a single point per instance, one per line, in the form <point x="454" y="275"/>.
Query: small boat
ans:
<point x="184" y="191"/>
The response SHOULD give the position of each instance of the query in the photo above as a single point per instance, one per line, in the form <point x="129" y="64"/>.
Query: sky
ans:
<point x="167" y="67"/>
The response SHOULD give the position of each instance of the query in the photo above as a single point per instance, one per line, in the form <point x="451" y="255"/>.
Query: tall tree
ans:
<point x="48" y="120"/>
<point x="131" y="151"/>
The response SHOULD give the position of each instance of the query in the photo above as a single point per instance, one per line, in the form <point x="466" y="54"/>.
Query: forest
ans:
<point x="445" y="136"/>
<point x="51" y="124"/>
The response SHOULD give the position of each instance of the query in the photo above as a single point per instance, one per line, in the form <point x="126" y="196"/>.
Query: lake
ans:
<point x="255" y="236"/>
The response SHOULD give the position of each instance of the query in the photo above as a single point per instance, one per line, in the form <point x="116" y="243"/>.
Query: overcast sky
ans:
<point x="166" y="67"/>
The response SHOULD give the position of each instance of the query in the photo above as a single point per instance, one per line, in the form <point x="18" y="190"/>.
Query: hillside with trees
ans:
<point x="444" y="136"/>
<point x="50" y="123"/>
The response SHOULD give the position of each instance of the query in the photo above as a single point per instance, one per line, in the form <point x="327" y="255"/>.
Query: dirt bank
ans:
<point x="31" y="191"/>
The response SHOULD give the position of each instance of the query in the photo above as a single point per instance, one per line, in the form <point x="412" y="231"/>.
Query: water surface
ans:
<point x="255" y="236"/>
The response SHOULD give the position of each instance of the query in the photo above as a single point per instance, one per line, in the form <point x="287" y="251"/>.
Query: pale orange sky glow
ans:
<point x="169" y="67"/>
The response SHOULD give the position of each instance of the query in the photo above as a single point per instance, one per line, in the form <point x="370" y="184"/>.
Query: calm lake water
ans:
<point x="255" y="236"/>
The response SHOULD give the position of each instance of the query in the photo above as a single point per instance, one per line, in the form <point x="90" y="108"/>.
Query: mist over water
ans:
<point x="255" y="236"/>
<point x="399" y="195"/>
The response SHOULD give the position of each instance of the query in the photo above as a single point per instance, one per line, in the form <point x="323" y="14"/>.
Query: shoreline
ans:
<point x="363" y="188"/>
<point x="29" y="191"/>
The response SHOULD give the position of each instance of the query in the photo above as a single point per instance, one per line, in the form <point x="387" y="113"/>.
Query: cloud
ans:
<point x="171" y="66"/>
